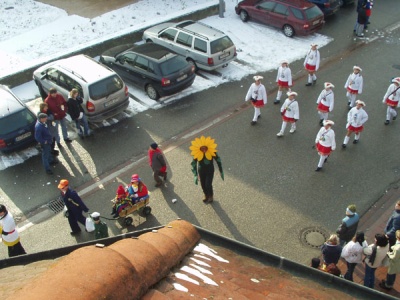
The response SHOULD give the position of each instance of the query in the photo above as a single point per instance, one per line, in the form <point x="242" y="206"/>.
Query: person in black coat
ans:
<point x="75" y="206"/>
<point x="393" y="224"/>
<point x="361" y="20"/>
<point x="77" y="113"/>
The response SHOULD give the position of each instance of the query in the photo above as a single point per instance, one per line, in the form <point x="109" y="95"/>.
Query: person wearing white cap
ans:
<point x="258" y="96"/>
<point x="356" y="119"/>
<point x="290" y="113"/>
<point x="100" y="228"/>
<point x="311" y="64"/>
<point x="325" y="143"/>
<point x="392" y="98"/>
<point x="354" y="86"/>
<point x="283" y="79"/>
<point x="325" y="102"/>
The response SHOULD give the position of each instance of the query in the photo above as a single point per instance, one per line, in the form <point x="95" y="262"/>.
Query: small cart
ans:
<point x="141" y="207"/>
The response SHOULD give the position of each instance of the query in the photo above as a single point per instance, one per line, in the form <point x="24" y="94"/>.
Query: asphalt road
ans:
<point x="271" y="192"/>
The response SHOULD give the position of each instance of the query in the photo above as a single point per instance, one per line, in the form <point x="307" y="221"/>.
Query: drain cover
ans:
<point x="313" y="237"/>
<point x="56" y="205"/>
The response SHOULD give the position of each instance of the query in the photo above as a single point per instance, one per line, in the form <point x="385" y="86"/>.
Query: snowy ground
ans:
<point x="27" y="40"/>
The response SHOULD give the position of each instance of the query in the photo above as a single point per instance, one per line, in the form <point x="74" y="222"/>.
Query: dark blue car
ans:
<point x="328" y="7"/>
<point x="17" y="122"/>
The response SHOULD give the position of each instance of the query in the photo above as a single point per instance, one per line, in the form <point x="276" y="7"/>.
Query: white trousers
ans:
<point x="257" y="112"/>
<point x="390" y="112"/>
<point x="351" y="98"/>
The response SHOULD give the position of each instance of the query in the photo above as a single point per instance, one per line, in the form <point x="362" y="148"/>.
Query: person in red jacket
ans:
<point x="59" y="107"/>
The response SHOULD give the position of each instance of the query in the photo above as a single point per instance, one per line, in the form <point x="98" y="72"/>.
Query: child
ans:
<point x="120" y="202"/>
<point x="137" y="190"/>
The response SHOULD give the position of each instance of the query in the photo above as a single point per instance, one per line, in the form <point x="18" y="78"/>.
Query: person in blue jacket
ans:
<point x="393" y="224"/>
<point x="75" y="206"/>
<point x="348" y="228"/>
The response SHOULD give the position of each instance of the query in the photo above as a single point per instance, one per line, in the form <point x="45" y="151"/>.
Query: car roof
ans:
<point x="301" y="4"/>
<point x="153" y="51"/>
<point x="84" y="67"/>
<point x="9" y="103"/>
<point x="201" y="29"/>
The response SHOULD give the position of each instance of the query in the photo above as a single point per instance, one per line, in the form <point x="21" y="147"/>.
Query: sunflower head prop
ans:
<point x="203" y="146"/>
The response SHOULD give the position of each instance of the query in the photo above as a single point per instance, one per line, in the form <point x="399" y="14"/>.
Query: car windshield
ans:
<point x="105" y="87"/>
<point x="221" y="44"/>
<point x="173" y="65"/>
<point x="15" y="121"/>
<point x="313" y="12"/>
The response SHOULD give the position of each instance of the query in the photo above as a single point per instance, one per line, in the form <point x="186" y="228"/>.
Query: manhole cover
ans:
<point x="313" y="237"/>
<point x="56" y="205"/>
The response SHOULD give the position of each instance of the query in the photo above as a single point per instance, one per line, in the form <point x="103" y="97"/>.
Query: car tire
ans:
<point x="288" y="30"/>
<point x="192" y="62"/>
<point x="43" y="94"/>
<point x="244" y="16"/>
<point x="152" y="92"/>
<point x="149" y="41"/>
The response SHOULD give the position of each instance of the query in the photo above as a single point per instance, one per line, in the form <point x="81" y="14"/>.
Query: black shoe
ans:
<point x="165" y="176"/>
<point x="253" y="122"/>
<point x="383" y="285"/>
<point x="68" y="140"/>
<point x="277" y="101"/>
<point x="50" y="172"/>
<point x="75" y="232"/>
<point x="54" y="162"/>
<point x="308" y="84"/>
<point x="394" y="118"/>
<point x="314" y="82"/>
<point x="81" y="136"/>
<point x="259" y="116"/>
<point x="326" y="160"/>
<point x="387" y="122"/>
<point x="318" y="169"/>
<point x="55" y="152"/>
<point x="116" y="215"/>
<point x="321" y="122"/>
<point x="344" y="146"/>
<point x="355" y="142"/>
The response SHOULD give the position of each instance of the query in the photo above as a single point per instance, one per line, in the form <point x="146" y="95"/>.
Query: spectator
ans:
<point x="311" y="64"/>
<point x="375" y="253"/>
<point x="75" y="206"/>
<point x="347" y="229"/>
<point x="9" y="233"/>
<point x="77" y="113"/>
<point x="58" y="106"/>
<point x="393" y="224"/>
<point x="44" y="138"/>
<point x="353" y="252"/>
<point x="283" y="79"/>
<point x="44" y="108"/>
<point x="331" y="250"/>
<point x="100" y="227"/>
<point x="361" y="20"/>
<point x="315" y="263"/>
<point x="394" y="264"/>
<point x="258" y="96"/>
<point x="157" y="163"/>
<point x="290" y="113"/>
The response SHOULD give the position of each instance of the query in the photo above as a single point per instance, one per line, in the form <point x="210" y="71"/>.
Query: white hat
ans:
<point x="291" y="94"/>
<point x="328" y="85"/>
<point x="328" y="122"/>
<point x="396" y="80"/>
<point x="95" y="214"/>
<point x="284" y="61"/>
<point x="314" y="44"/>
<point x="358" y="68"/>
<point x="360" y="102"/>
<point x="258" y="77"/>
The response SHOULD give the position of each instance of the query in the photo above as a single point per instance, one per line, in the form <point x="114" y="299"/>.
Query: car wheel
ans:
<point x="43" y="94"/>
<point x="244" y="16"/>
<point x="149" y="41"/>
<point x="152" y="92"/>
<point x="191" y="61"/>
<point x="288" y="30"/>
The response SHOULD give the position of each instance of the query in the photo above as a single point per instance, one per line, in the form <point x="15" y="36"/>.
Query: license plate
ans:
<point x="23" y="136"/>
<point x="111" y="102"/>
<point x="225" y="55"/>
<point x="182" y="77"/>
<point x="315" y="22"/>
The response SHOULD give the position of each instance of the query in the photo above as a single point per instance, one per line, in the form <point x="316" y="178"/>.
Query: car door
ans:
<point x="183" y="45"/>
<point x="124" y="66"/>
<point x="167" y="38"/>
<point x="279" y="15"/>
<point x="261" y="12"/>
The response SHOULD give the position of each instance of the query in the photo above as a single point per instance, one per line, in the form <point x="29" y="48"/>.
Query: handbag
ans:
<point x="89" y="224"/>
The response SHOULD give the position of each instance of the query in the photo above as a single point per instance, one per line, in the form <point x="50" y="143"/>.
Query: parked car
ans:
<point x="103" y="92"/>
<point x="152" y="67"/>
<point x="293" y="17"/>
<point x="328" y="7"/>
<point x="206" y="47"/>
<point x="17" y="122"/>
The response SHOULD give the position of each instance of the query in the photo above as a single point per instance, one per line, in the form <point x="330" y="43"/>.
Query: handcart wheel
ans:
<point x="128" y="221"/>
<point x="146" y="210"/>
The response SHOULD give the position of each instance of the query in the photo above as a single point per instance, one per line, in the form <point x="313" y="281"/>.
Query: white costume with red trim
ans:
<point x="290" y="113"/>
<point x="392" y="99"/>
<point x="325" y="101"/>
<point x="311" y="64"/>
<point x="8" y="225"/>
<point x="325" y="144"/>
<point x="259" y="94"/>
<point x="354" y="86"/>
<point x="356" y="119"/>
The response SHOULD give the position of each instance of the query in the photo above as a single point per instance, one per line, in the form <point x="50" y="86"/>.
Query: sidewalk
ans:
<point x="372" y="222"/>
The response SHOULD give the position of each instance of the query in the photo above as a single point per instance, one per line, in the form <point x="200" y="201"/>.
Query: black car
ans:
<point x="17" y="122"/>
<point x="328" y="7"/>
<point x="152" y="67"/>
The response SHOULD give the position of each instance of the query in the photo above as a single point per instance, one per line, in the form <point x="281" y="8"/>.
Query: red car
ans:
<point x="292" y="16"/>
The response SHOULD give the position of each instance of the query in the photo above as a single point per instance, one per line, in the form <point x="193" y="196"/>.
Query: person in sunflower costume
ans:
<point x="204" y="153"/>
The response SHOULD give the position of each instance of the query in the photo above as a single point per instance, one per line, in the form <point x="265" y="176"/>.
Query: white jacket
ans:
<point x="353" y="252"/>
<point x="284" y="74"/>
<point x="355" y="82"/>
<point x="292" y="108"/>
<point x="257" y="92"/>
<point x="393" y="93"/>
<point x="327" y="98"/>
<point x="326" y="138"/>
<point x="8" y="225"/>
<point x="356" y="117"/>
<point x="312" y="58"/>
<point x="381" y="253"/>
